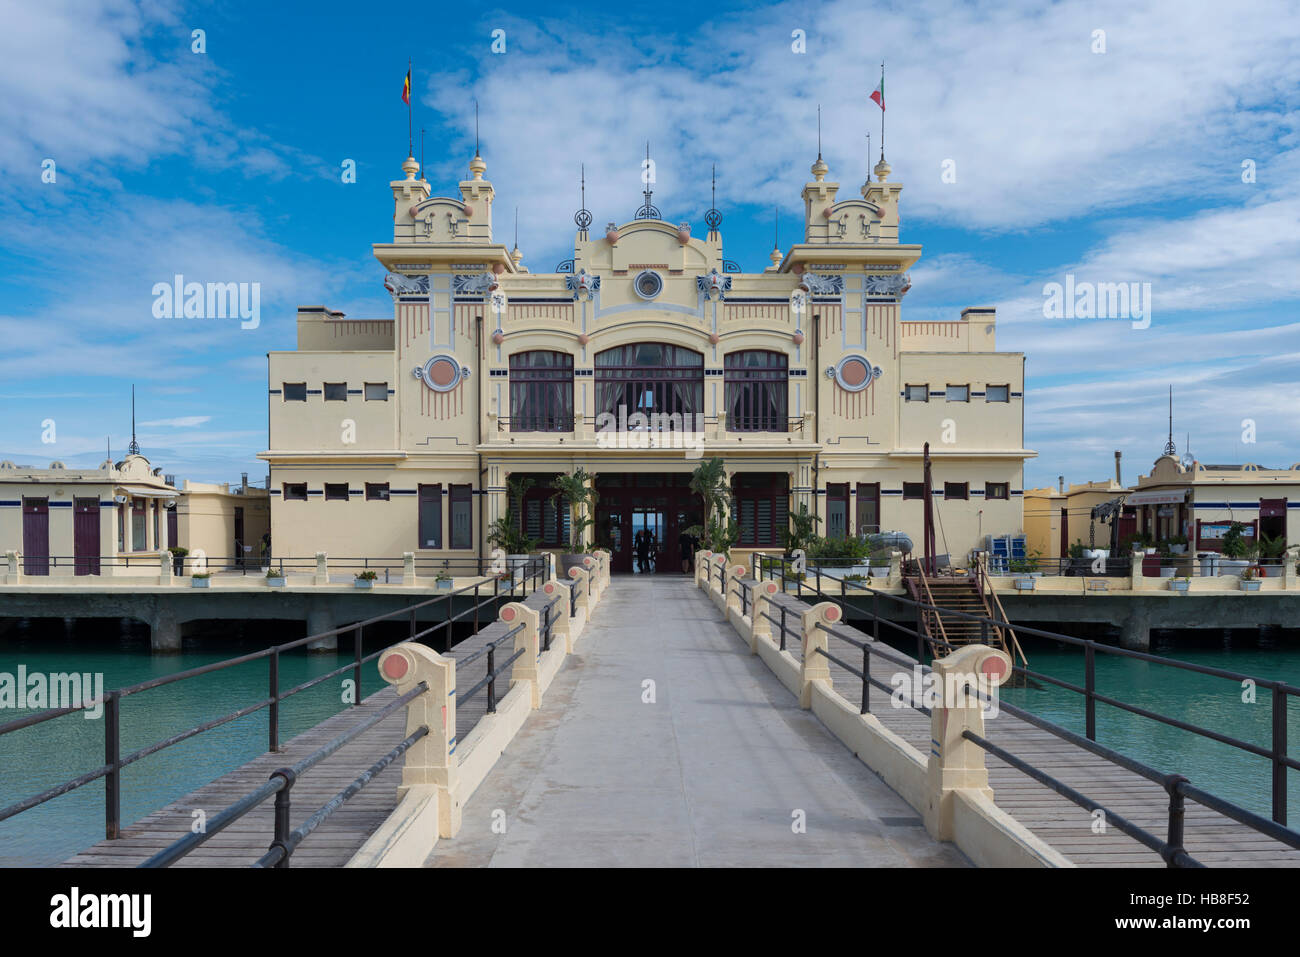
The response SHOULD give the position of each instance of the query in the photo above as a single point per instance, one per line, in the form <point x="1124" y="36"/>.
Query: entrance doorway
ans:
<point x="642" y="518"/>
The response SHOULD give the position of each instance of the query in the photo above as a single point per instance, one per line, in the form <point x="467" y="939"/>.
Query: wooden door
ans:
<point x="36" y="536"/>
<point x="85" y="535"/>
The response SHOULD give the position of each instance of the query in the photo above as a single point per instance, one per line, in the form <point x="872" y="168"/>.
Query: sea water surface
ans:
<point x="45" y="755"/>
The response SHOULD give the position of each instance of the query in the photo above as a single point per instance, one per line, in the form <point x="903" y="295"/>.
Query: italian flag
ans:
<point x="406" y="88"/>
<point x="879" y="93"/>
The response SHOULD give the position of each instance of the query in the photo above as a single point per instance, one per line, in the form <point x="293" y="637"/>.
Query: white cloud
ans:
<point x="180" y="422"/>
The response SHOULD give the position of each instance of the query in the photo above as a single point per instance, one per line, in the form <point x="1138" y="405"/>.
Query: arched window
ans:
<point x="653" y="379"/>
<point x="541" y="392"/>
<point x="756" y="389"/>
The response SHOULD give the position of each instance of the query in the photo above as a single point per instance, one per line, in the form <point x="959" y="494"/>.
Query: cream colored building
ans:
<point x="223" y="521"/>
<point x="1202" y="501"/>
<point x="1056" y="518"/>
<point x="116" y="519"/>
<point x="397" y="433"/>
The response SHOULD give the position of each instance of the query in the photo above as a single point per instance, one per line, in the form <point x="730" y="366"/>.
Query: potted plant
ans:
<point x="1250" y="579"/>
<point x="275" y="578"/>
<point x="878" y="563"/>
<point x="201" y="580"/>
<point x="1178" y="545"/>
<point x="1271" y="551"/>
<point x="802" y="531"/>
<point x="444" y="581"/>
<point x="1024" y="582"/>
<point x="1181" y="583"/>
<point x="178" y="559"/>
<point x="1234" y="550"/>
<point x="365" y="579"/>
<point x="580" y="497"/>
<point x="1078" y="563"/>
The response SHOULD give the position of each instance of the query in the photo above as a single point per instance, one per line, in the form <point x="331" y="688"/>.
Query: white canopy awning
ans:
<point x="1157" y="498"/>
<point x="148" y="491"/>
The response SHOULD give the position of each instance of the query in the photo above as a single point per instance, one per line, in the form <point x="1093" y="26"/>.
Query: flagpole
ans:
<point x="410" y="134"/>
<point x="882" y="110"/>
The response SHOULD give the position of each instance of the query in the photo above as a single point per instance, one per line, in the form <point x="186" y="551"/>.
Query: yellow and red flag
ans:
<point x="406" y="88"/>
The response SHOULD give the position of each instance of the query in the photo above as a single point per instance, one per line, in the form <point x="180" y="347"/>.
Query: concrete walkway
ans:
<point x="714" y="773"/>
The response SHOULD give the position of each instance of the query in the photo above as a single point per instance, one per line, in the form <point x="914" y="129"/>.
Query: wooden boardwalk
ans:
<point x="335" y="841"/>
<point x="1211" y="838"/>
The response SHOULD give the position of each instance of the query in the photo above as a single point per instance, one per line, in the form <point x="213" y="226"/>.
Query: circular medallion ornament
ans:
<point x="442" y="373"/>
<point x="648" y="284"/>
<point x="854" y="373"/>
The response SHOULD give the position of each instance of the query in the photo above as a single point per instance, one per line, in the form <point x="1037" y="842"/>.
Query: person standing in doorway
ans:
<point x="643" y="550"/>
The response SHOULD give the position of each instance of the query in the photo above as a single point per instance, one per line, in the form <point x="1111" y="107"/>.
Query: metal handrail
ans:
<point x="985" y="584"/>
<point x="1277" y="753"/>
<point x="115" y="761"/>
<point x="280" y="781"/>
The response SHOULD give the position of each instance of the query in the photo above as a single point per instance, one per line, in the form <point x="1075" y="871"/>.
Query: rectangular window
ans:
<point x="546" y="518"/>
<point x="336" y="491"/>
<point x="295" y="392"/>
<point x="376" y="491"/>
<point x="957" y="393"/>
<point x="868" y="507"/>
<point x="462" y="525"/>
<point x="138" y="543"/>
<point x="918" y="393"/>
<point x="994" y="490"/>
<point x="295" y="491"/>
<point x="541" y="392"/>
<point x="913" y="490"/>
<point x="997" y="393"/>
<point x="760" y="507"/>
<point x="837" y="511"/>
<point x="336" y="391"/>
<point x="430" y="516"/>
<point x="376" y="391"/>
<point x="956" y="490"/>
<point x="157" y="539"/>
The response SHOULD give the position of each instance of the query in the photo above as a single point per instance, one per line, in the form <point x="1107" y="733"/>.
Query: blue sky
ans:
<point x="1115" y="166"/>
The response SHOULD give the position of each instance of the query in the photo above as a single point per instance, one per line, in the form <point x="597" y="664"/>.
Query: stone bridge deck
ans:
<point x="712" y="773"/>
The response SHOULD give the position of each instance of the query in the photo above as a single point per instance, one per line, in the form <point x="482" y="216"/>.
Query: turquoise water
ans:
<point x="45" y="755"/>
<point x="1209" y="702"/>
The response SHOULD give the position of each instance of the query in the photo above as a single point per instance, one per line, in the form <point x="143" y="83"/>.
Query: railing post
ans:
<point x="492" y="681"/>
<point x="273" y="723"/>
<point x="1177" y="814"/>
<point x="356" y="668"/>
<point x="113" y="758"/>
<point x="955" y="763"/>
<point x="431" y="762"/>
<point x="408" y="568"/>
<point x="783" y="626"/>
<point x="1090" y="688"/>
<point x="702" y="567"/>
<point x="526" y="640"/>
<point x="322" y="568"/>
<point x="282" y="826"/>
<point x="582" y="586"/>
<point x="759" y="626"/>
<point x="816" y="667"/>
<point x="731" y="589"/>
<point x="411" y="635"/>
<point x="560" y="621"/>
<point x="1279" y="755"/>
<point x="593" y="580"/>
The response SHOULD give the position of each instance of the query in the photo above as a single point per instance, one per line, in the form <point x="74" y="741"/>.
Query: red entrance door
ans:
<point x="85" y="535"/>
<point x="36" y="536"/>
